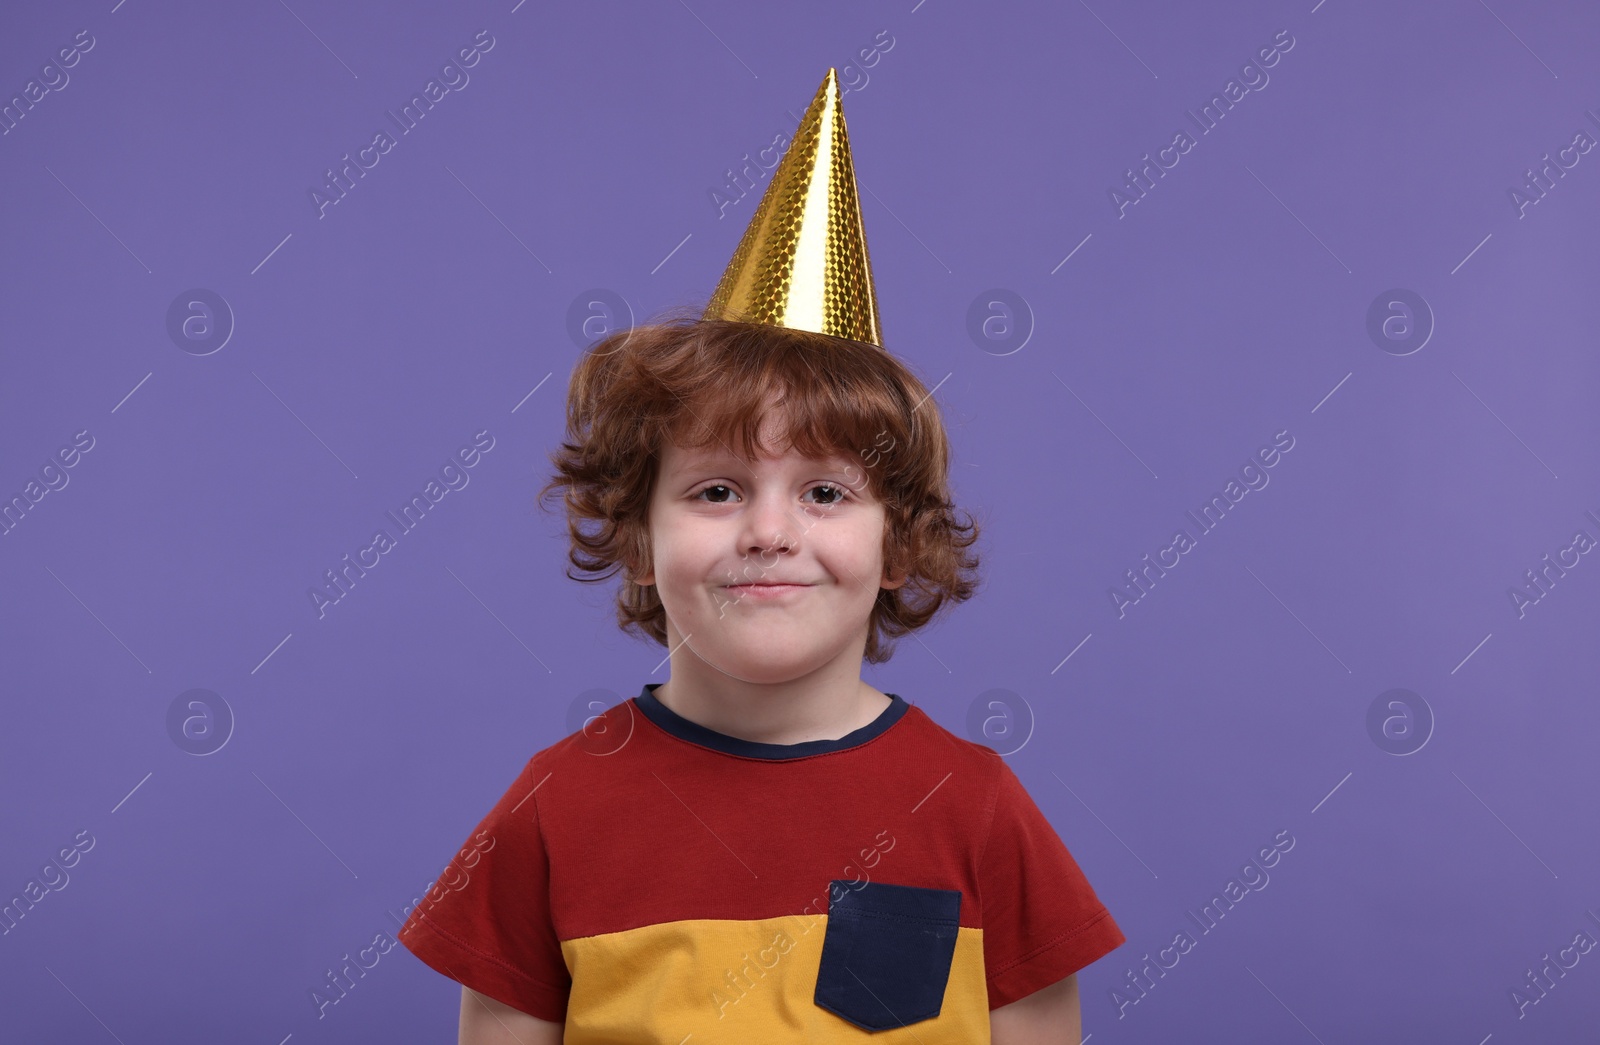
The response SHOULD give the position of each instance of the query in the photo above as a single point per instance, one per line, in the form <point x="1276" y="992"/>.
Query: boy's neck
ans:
<point x="778" y="713"/>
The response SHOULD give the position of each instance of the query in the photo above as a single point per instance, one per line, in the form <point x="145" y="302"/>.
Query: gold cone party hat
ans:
<point x="803" y="260"/>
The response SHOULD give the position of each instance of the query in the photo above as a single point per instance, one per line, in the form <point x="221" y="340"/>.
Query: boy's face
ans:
<point x="720" y="525"/>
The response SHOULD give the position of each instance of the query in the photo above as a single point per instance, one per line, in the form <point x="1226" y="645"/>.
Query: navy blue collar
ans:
<point x="695" y="733"/>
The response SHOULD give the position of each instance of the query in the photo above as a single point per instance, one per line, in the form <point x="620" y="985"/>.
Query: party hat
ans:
<point x="803" y="260"/>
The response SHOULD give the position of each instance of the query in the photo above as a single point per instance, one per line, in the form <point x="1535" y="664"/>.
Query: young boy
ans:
<point x="764" y="848"/>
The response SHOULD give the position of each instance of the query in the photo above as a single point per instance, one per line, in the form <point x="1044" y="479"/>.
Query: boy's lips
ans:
<point x="765" y="589"/>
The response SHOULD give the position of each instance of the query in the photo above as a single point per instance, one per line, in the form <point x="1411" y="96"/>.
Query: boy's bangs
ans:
<point x="815" y="419"/>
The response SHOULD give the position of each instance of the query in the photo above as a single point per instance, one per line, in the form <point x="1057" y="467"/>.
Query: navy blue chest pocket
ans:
<point x="887" y="952"/>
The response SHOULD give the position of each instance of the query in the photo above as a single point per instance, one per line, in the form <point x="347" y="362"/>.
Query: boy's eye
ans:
<point x="835" y="493"/>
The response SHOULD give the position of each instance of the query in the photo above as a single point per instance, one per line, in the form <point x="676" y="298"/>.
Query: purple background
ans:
<point x="434" y="301"/>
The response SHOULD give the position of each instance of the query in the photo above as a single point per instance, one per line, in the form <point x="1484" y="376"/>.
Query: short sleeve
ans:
<point x="1041" y="919"/>
<point x="486" y="921"/>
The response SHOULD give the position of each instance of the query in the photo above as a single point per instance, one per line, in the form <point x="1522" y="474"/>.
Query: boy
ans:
<point x="765" y="848"/>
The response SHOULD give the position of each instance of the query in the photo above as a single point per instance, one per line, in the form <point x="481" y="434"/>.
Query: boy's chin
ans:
<point x="769" y="666"/>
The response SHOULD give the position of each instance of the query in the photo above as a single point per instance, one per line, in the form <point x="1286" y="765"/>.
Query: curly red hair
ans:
<point x="692" y="382"/>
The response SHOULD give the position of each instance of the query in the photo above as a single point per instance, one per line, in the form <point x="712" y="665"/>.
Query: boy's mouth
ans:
<point x="765" y="589"/>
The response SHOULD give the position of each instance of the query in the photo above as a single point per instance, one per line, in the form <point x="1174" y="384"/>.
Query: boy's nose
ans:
<point x="770" y="528"/>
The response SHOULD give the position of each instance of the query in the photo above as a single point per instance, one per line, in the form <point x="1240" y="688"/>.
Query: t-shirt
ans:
<point x="649" y="880"/>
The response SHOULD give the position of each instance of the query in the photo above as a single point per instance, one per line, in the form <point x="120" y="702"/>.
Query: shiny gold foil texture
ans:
<point x="803" y="260"/>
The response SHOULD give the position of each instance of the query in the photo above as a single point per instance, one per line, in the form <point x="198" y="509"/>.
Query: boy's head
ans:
<point x="704" y="454"/>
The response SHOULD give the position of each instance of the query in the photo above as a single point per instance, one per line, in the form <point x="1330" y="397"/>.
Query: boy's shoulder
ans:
<point x="929" y="732"/>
